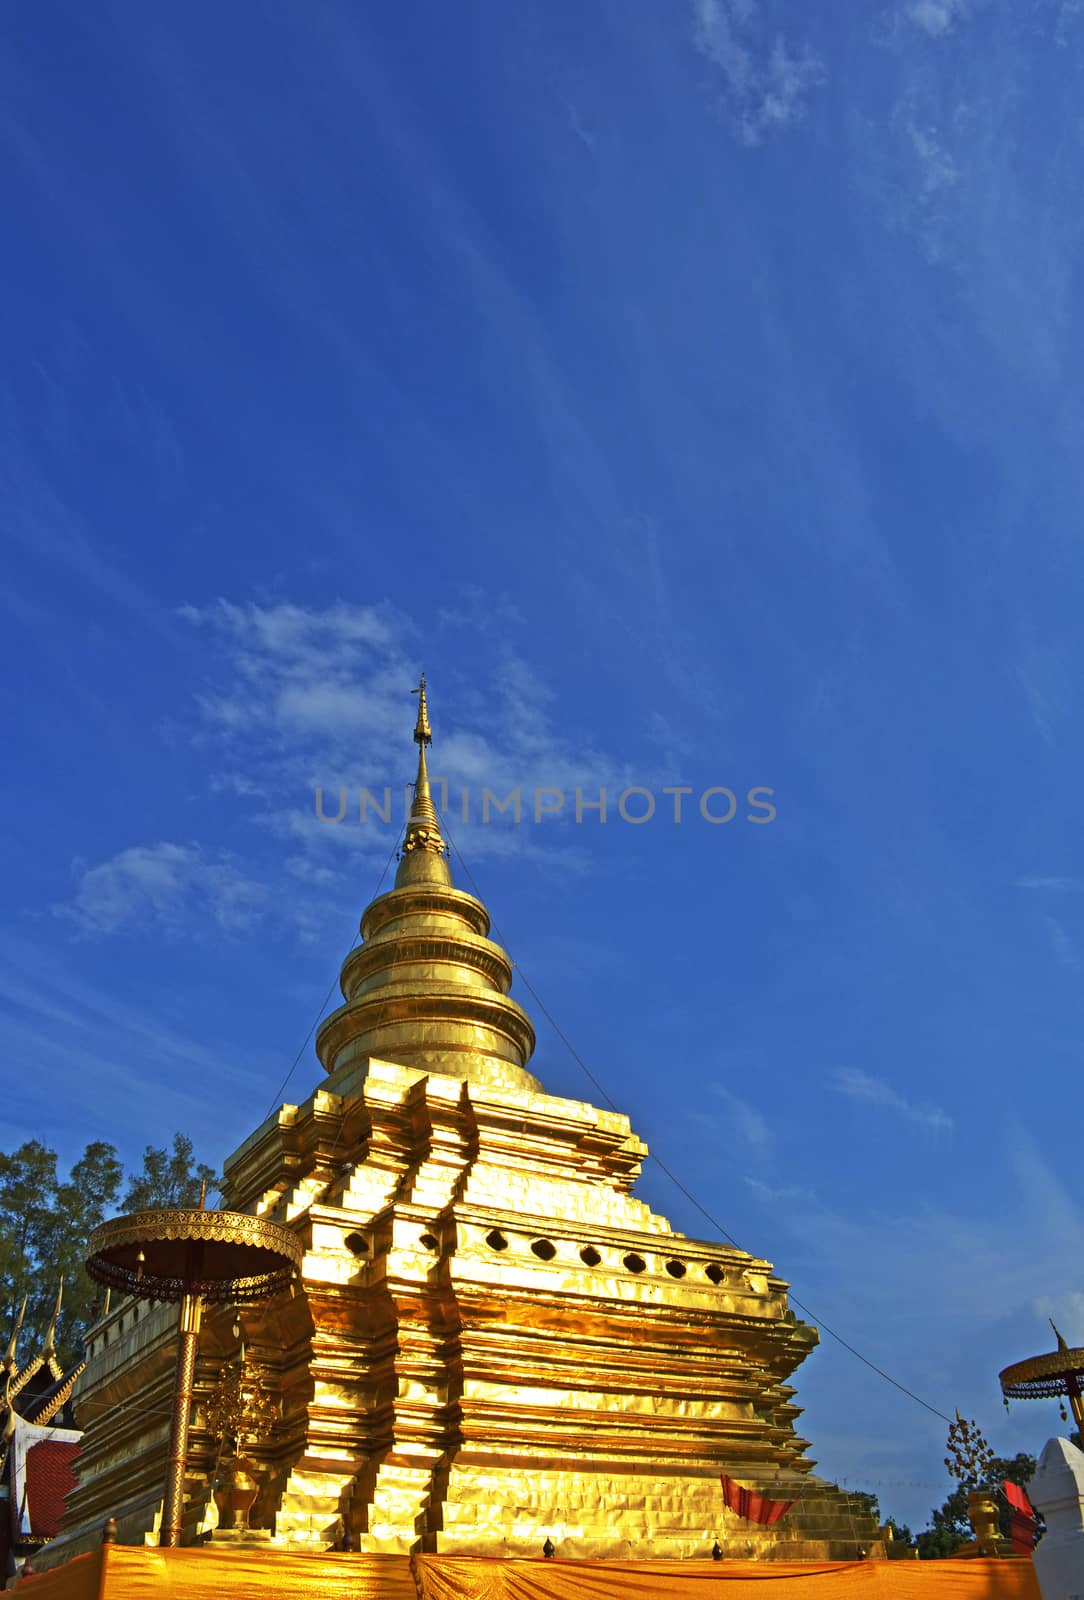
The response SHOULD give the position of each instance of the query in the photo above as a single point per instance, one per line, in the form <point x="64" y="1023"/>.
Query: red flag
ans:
<point x="752" y="1506"/>
<point x="1021" y="1519"/>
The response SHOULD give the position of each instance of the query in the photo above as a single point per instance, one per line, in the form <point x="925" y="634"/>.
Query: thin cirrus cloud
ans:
<point x="744" y="1118"/>
<point x="764" y="87"/>
<point x="861" y="1087"/>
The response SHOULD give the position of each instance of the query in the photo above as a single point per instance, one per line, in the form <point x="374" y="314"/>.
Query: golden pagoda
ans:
<point x="492" y="1343"/>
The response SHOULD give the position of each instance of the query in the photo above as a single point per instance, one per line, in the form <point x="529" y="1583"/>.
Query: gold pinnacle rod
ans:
<point x="183" y="1382"/>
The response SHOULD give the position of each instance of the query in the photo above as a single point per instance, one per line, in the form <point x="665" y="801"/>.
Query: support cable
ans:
<point x="661" y="1164"/>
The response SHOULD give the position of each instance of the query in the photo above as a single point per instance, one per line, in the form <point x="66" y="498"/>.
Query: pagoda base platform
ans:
<point x="121" y="1572"/>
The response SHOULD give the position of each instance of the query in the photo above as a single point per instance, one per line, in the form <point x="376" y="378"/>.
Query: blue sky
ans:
<point x="692" y="391"/>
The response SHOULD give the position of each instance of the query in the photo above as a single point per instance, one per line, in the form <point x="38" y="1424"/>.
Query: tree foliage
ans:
<point x="168" y="1179"/>
<point x="950" y="1526"/>
<point x="45" y="1220"/>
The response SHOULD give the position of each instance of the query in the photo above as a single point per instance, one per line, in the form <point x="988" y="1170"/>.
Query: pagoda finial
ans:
<point x="9" y="1358"/>
<point x="421" y="859"/>
<point x="50" y="1337"/>
<point x="423" y="733"/>
<point x="1061" y="1342"/>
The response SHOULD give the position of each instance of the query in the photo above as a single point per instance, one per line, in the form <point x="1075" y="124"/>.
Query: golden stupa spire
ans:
<point x="427" y="988"/>
<point x="1059" y="1337"/>
<point x="422" y="857"/>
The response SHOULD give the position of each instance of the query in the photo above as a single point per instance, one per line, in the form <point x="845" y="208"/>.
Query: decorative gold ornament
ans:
<point x="1053" y="1376"/>
<point x="970" y="1458"/>
<point x="244" y="1407"/>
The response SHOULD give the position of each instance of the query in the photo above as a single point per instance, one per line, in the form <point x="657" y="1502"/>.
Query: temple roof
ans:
<point x="36" y="1452"/>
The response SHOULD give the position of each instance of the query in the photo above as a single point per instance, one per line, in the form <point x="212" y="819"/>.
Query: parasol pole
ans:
<point x="184" y="1378"/>
<point x="183" y="1383"/>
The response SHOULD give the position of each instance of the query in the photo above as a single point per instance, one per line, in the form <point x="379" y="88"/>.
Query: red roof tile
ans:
<point x="49" y="1480"/>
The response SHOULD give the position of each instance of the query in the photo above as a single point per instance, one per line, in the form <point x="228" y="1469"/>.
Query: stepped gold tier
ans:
<point x="493" y="1342"/>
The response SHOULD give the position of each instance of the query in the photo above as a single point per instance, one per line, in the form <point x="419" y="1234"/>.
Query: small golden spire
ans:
<point x="9" y="1358"/>
<point x="422" y="857"/>
<point x="50" y="1337"/>
<point x="1061" y="1342"/>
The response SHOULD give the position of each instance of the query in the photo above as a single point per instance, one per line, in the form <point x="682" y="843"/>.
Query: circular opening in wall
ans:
<point x="716" y="1274"/>
<point x="676" y="1269"/>
<point x="357" y="1244"/>
<point x="544" y="1250"/>
<point x="496" y="1240"/>
<point x="590" y="1255"/>
<point x="635" y="1263"/>
<point x="430" y="1241"/>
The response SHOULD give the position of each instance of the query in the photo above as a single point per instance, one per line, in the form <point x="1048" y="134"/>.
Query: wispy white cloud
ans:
<point x="86" y="1049"/>
<point x="296" y="698"/>
<point x="293" y="700"/>
<point x="765" y="86"/>
<point x="937" y="17"/>
<point x="1046" y="674"/>
<point x="860" y="1086"/>
<point x="781" y="1194"/>
<point x="575" y="122"/>
<point x="949" y="166"/>
<point x="169" y="887"/>
<point x="1066" y="1311"/>
<point x="1062" y="943"/>
<point x="744" y="1118"/>
<point x="1056" y="884"/>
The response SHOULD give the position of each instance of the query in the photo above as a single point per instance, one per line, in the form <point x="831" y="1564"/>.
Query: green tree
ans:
<point x="45" y="1221"/>
<point x="950" y="1526"/>
<point x="28" y="1185"/>
<point x="169" y="1179"/>
<point x="44" y="1225"/>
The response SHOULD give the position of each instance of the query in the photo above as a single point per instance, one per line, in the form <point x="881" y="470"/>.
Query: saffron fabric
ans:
<point x="479" y="1578"/>
<point x="121" y="1572"/>
<point x="752" y="1506"/>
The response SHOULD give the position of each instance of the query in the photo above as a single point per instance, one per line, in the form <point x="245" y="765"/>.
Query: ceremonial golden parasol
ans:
<point x="191" y="1257"/>
<point x="1059" y="1374"/>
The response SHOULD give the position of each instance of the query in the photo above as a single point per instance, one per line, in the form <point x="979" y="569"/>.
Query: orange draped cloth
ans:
<point x="122" y="1572"/>
<point x="477" y="1578"/>
<point x="752" y="1506"/>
